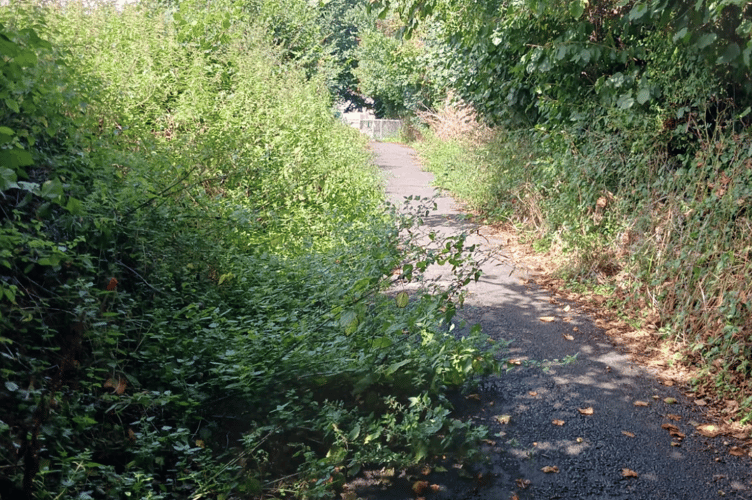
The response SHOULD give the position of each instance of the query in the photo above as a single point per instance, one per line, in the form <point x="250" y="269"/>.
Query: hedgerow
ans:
<point x="196" y="269"/>
<point x="622" y="138"/>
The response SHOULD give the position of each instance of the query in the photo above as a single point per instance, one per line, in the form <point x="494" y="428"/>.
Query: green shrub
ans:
<point x="194" y="265"/>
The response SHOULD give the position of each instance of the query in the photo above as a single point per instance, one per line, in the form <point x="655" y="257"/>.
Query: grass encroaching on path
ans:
<point x="667" y="238"/>
<point x="193" y="263"/>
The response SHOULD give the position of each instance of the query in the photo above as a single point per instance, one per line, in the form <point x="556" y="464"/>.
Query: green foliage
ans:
<point x="548" y="62"/>
<point x="342" y="22"/>
<point x="622" y="138"/>
<point x="196" y="269"/>
<point x="391" y="72"/>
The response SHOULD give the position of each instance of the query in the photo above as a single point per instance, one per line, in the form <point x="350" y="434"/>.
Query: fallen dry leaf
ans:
<point x="641" y="403"/>
<point x="547" y="319"/>
<point x="550" y="468"/>
<point x="629" y="473"/>
<point x="489" y="442"/>
<point x="420" y="486"/>
<point x="567" y="336"/>
<point x="557" y="422"/>
<point x="670" y="401"/>
<point x="628" y="434"/>
<point x="514" y="497"/>
<point x="586" y="411"/>
<point x="476" y="397"/>
<point x="503" y="419"/>
<point x="700" y="402"/>
<point x="673" y="431"/>
<point x="708" y="430"/>
<point x="575" y="329"/>
<point x="568" y="308"/>
<point x="737" y="451"/>
<point x="533" y="393"/>
<point x="426" y="470"/>
<point x="671" y="416"/>
<point x="117" y="385"/>
<point x="675" y="444"/>
<point x="435" y="488"/>
<point x="514" y="362"/>
<point x="522" y="483"/>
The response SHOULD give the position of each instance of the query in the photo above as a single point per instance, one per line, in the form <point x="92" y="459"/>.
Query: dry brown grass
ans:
<point x="456" y="120"/>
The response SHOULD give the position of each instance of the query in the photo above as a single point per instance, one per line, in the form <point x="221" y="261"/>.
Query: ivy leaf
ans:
<point x="732" y="52"/>
<point x="643" y="95"/>
<point x="681" y="34"/>
<point x="705" y="40"/>
<point x="625" y="101"/>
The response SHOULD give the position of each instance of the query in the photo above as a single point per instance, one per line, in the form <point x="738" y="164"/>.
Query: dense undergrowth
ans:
<point x="621" y="138"/>
<point x="197" y="269"/>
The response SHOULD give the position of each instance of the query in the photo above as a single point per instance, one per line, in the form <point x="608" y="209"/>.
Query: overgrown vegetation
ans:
<point x="622" y="138"/>
<point x="197" y="285"/>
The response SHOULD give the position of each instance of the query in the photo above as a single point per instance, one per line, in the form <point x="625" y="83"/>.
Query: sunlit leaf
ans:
<point x="576" y="8"/>
<point x="708" y="430"/>
<point x="502" y="419"/>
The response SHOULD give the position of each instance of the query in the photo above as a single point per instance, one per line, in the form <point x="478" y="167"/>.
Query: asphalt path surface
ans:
<point x="600" y="425"/>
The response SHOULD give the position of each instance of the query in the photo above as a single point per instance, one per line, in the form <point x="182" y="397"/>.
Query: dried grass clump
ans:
<point x="456" y="120"/>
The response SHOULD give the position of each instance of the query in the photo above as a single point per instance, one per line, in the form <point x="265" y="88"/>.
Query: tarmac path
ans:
<point x="592" y="420"/>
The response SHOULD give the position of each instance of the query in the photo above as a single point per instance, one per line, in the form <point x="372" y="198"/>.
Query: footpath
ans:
<point x="600" y="427"/>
